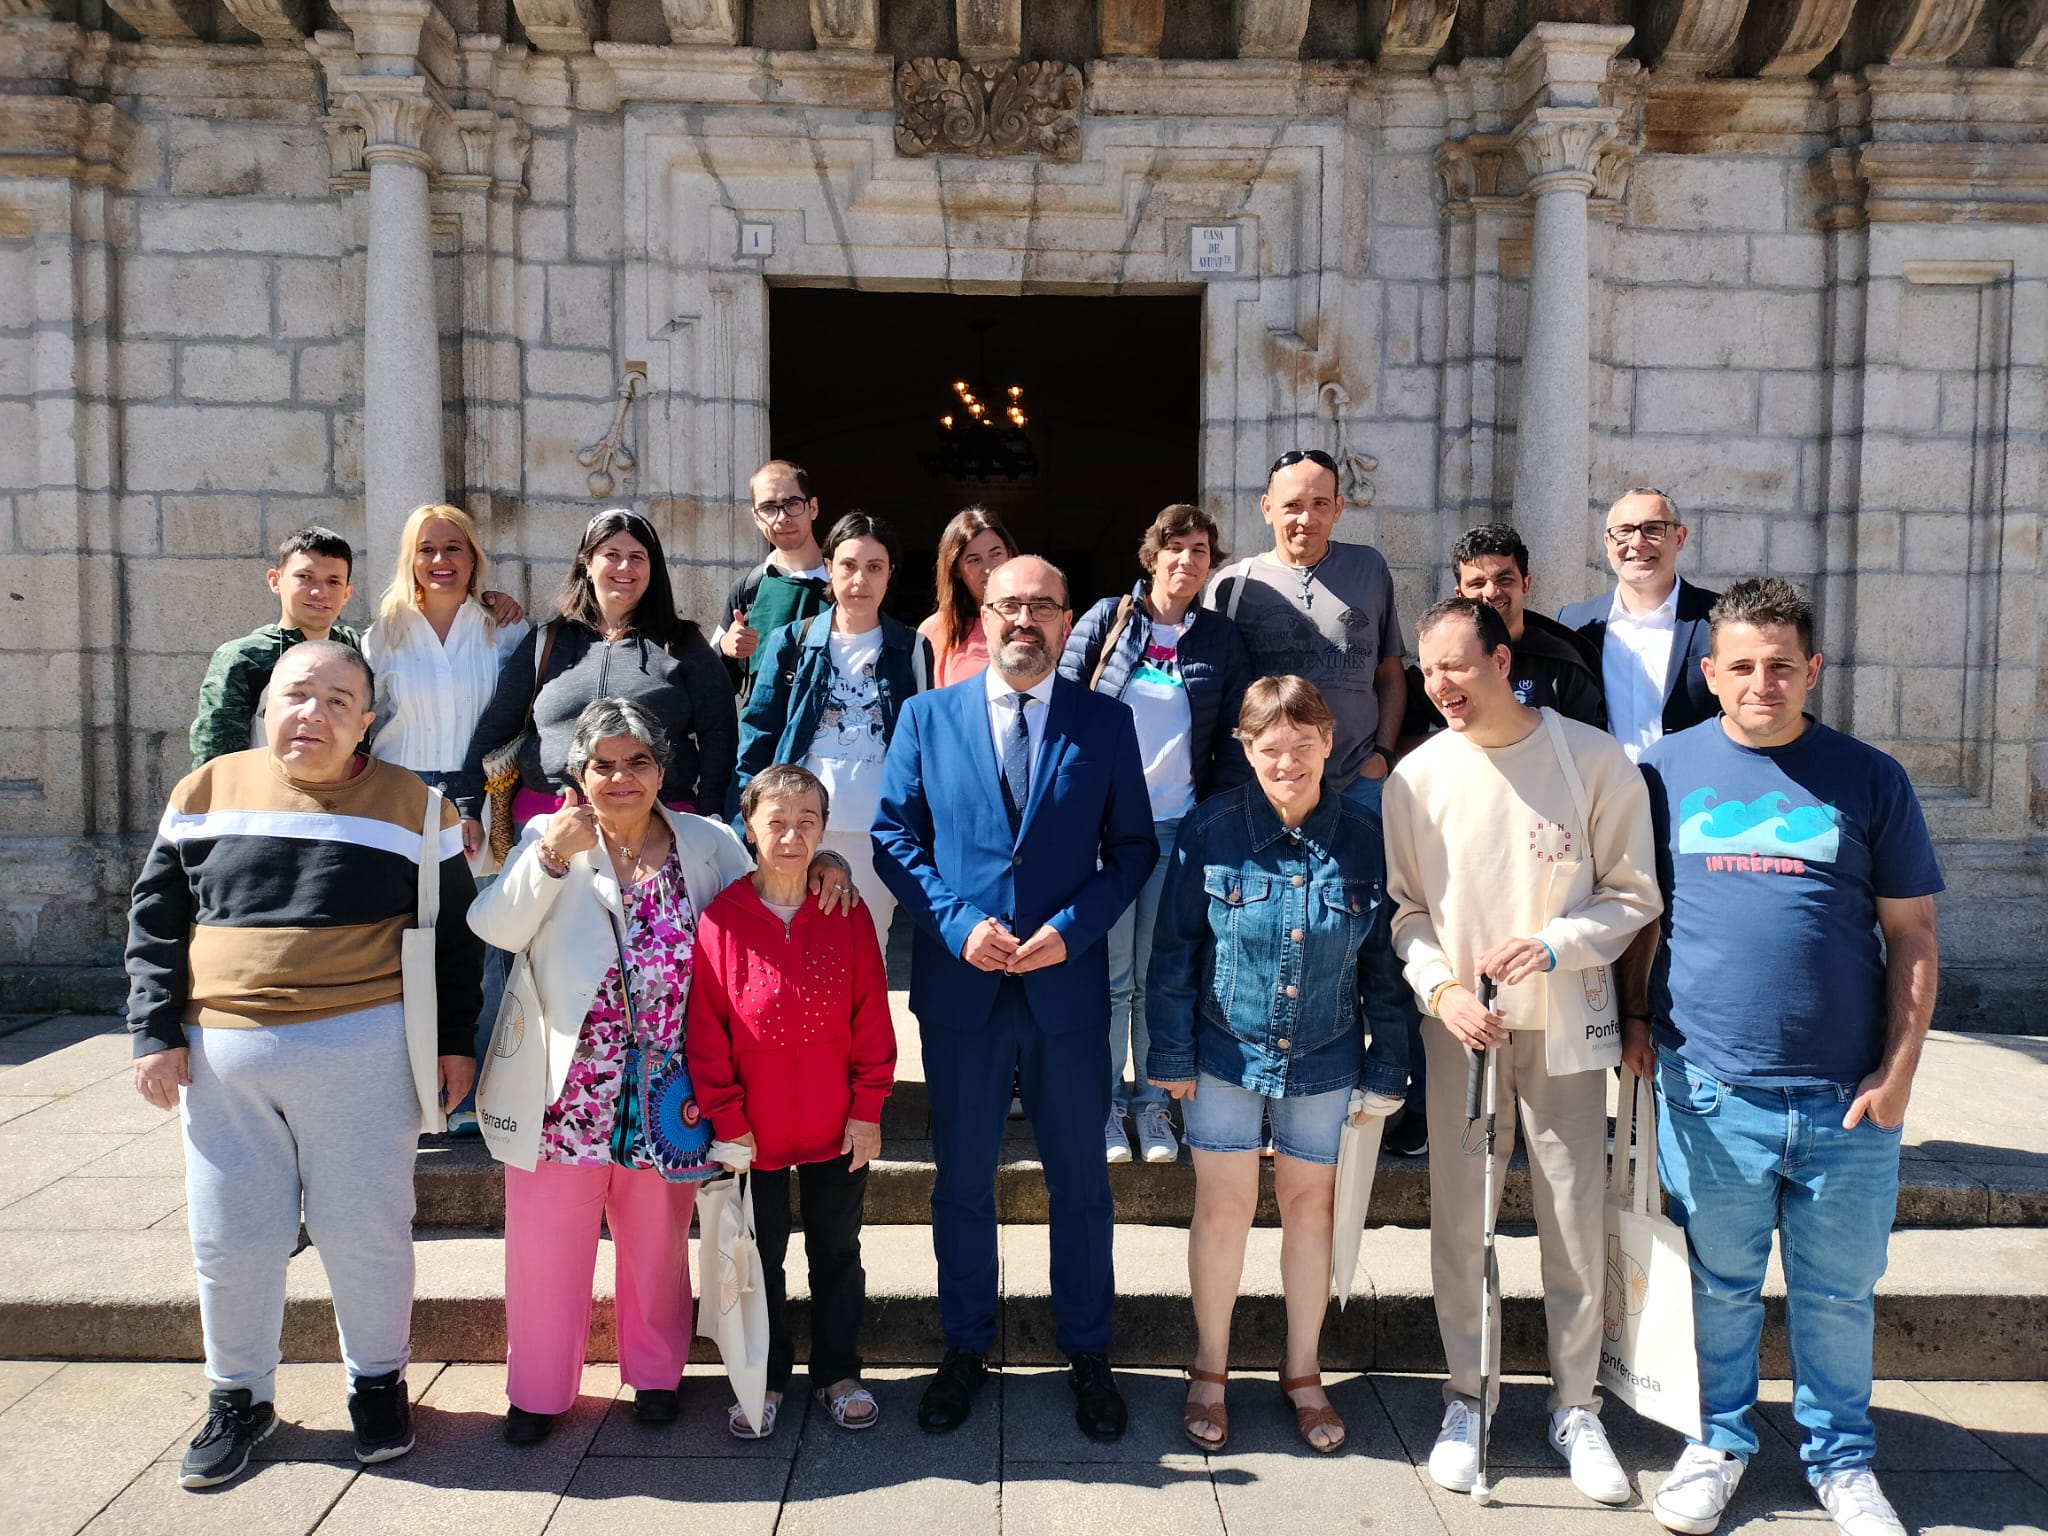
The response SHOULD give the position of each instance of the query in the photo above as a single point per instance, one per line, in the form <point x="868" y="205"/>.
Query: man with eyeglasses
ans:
<point x="789" y="584"/>
<point x="1014" y="826"/>
<point x="1651" y="633"/>
<point x="1323" y="611"/>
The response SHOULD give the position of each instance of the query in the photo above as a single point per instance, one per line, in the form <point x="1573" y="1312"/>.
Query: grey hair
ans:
<point x="604" y="718"/>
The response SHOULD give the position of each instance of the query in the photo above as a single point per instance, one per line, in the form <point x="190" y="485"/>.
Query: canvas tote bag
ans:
<point x="1646" y="1348"/>
<point x="512" y="1094"/>
<point x="1582" y="1019"/>
<point x="732" y="1306"/>
<point x="417" y="976"/>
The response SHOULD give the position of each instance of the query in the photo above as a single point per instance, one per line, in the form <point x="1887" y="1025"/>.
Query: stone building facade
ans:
<point x="266" y="262"/>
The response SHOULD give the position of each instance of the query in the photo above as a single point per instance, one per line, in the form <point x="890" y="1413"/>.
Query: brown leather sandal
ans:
<point x="1307" y="1420"/>
<point x="1206" y="1415"/>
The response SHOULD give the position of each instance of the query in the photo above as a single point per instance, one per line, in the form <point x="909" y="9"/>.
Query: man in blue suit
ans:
<point x="1014" y="827"/>
<point x="1648" y="636"/>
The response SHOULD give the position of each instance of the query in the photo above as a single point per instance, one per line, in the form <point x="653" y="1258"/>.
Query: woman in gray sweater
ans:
<point x="615" y="634"/>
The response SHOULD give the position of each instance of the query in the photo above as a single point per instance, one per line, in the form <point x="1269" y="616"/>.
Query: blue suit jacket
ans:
<point x="943" y="847"/>
<point x="1688" y="701"/>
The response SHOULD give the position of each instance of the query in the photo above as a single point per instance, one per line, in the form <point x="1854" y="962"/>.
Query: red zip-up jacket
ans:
<point x="788" y="1034"/>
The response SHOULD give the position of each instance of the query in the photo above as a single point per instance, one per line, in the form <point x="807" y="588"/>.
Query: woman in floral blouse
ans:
<point x="604" y="896"/>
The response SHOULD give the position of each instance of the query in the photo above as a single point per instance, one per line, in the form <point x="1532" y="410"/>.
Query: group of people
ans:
<point x="1219" y="832"/>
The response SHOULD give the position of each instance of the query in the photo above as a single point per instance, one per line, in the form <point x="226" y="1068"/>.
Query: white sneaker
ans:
<point x="1155" y="1134"/>
<point x="1116" y="1136"/>
<point x="1576" y="1435"/>
<point x="1454" y="1459"/>
<point x="1696" y="1493"/>
<point x="1859" y="1506"/>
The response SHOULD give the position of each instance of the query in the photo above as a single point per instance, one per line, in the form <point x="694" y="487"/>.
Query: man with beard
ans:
<point x="1014" y="826"/>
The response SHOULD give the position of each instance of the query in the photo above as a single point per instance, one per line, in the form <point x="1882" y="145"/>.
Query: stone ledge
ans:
<point x="1954" y="1304"/>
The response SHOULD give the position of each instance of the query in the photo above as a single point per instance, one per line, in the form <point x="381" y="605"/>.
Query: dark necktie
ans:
<point x="1017" y="762"/>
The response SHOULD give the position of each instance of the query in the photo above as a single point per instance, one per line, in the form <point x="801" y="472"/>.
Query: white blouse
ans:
<point x="430" y="694"/>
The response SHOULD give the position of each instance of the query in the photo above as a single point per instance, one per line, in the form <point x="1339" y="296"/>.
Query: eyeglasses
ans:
<point x="1011" y="609"/>
<point x="1297" y="455"/>
<point x="1655" y="532"/>
<point x="640" y="764"/>
<point x="783" y="511"/>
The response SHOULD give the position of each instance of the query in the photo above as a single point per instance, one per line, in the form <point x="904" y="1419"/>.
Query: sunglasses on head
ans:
<point x="623" y="521"/>
<point x="1298" y="455"/>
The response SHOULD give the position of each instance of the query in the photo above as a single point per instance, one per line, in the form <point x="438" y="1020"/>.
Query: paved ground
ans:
<point x="94" y="1448"/>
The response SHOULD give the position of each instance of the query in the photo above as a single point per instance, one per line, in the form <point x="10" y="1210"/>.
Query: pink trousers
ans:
<point x="552" y="1217"/>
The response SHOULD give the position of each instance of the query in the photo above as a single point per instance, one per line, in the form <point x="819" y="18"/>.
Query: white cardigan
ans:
<point x="564" y="928"/>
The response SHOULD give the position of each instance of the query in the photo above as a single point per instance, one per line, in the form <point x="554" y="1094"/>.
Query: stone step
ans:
<point x="1954" y="1304"/>
<point x="458" y="1186"/>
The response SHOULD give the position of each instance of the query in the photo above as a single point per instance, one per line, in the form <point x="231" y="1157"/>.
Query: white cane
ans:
<point x="1482" y="1082"/>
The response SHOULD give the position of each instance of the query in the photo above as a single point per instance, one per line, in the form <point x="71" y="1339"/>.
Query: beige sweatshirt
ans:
<point x="1485" y="845"/>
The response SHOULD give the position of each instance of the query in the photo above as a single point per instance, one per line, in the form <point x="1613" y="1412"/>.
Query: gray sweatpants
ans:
<point x="319" y="1118"/>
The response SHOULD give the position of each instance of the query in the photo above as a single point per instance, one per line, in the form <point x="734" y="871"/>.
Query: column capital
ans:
<point x="399" y="120"/>
<point x="1561" y="146"/>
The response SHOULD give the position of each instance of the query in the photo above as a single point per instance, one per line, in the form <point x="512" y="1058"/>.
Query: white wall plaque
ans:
<point x="1212" y="248"/>
<point x="757" y="239"/>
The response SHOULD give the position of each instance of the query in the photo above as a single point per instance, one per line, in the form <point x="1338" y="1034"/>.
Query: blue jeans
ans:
<point x="1740" y="1162"/>
<point x="1130" y="952"/>
<point x="1369" y="793"/>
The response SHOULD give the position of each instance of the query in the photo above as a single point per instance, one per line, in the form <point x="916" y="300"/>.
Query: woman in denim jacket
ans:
<point x="827" y="695"/>
<point x="1271" y="964"/>
<point x="1182" y="670"/>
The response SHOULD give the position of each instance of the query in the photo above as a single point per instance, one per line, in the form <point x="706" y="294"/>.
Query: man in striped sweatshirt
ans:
<point x="265" y="983"/>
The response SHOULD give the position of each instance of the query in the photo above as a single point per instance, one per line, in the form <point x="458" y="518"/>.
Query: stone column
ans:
<point x="402" y="461"/>
<point x="1553" y="451"/>
<point x="1557" y="72"/>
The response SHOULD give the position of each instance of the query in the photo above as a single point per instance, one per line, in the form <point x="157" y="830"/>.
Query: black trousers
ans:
<point x="833" y="1196"/>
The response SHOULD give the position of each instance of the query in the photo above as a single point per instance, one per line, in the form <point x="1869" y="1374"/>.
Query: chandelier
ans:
<point x="981" y="430"/>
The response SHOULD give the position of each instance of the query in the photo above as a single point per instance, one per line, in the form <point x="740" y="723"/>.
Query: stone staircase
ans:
<point x="94" y="1262"/>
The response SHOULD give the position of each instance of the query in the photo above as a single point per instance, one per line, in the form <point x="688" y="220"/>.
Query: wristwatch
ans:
<point x="1383" y="752"/>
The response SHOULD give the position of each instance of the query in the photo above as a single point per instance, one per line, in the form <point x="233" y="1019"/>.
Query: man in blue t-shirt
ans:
<point x="1782" y="1020"/>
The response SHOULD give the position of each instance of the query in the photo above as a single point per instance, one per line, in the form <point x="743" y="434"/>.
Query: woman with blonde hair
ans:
<point x="436" y="648"/>
<point x="974" y="544"/>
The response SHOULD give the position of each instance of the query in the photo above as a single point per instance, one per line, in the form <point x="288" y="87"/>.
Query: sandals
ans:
<point x="736" y="1421"/>
<point x="836" y="1404"/>
<point x="1196" y="1417"/>
<point x="1308" y="1420"/>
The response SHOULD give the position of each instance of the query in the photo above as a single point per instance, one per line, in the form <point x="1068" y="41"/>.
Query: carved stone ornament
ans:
<point x="1785" y="39"/>
<point x="2020" y="29"/>
<point x="610" y="461"/>
<point x="944" y="107"/>
<point x="1691" y="37"/>
<point x="1130" y="29"/>
<point x="163" y="18"/>
<point x="558" y="26"/>
<point x="1917" y="31"/>
<point x="850" y="24"/>
<point x="1410" y="33"/>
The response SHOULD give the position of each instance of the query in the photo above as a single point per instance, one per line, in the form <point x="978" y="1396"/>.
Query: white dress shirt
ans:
<point x="431" y="693"/>
<point x="1002" y="715"/>
<point x="1635" y="659"/>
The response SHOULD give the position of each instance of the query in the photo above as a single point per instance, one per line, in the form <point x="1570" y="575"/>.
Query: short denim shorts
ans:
<point x="1223" y="1117"/>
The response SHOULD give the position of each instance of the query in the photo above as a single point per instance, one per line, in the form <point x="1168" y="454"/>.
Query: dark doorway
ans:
<point x="1111" y="394"/>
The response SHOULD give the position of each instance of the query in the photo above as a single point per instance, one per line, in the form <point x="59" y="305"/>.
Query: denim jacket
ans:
<point x="1214" y="665"/>
<point x="1272" y="957"/>
<point x="793" y="683"/>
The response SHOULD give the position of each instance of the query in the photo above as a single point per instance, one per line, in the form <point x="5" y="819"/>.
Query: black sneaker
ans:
<point x="381" y="1409"/>
<point x="1407" y="1134"/>
<point x="234" y="1427"/>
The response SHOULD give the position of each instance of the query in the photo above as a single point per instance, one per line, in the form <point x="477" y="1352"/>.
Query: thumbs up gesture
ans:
<point x="571" y="829"/>
<point x="739" y="640"/>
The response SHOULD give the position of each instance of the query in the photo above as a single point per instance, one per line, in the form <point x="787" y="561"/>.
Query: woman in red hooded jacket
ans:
<point x="792" y="1050"/>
